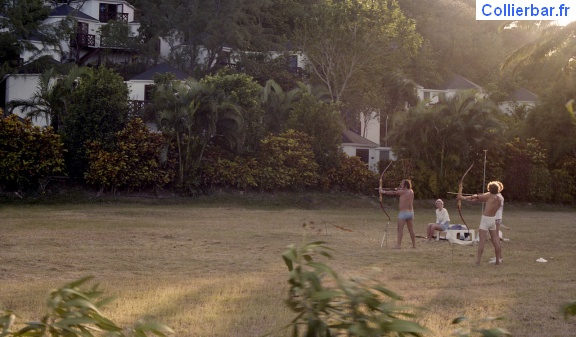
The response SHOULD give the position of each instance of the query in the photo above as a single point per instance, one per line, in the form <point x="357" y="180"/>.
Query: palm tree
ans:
<point x="52" y="96"/>
<point x="444" y="136"/>
<point x="553" y="40"/>
<point x="193" y="114"/>
<point x="278" y="103"/>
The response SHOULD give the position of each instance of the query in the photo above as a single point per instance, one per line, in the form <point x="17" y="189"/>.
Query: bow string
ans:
<point x="460" y="188"/>
<point x="379" y="190"/>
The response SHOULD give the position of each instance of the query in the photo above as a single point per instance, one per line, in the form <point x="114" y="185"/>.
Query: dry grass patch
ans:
<point x="208" y="270"/>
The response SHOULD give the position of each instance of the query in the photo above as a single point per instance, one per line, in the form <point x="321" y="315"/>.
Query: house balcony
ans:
<point x="107" y="16"/>
<point x="83" y="40"/>
<point x="137" y="108"/>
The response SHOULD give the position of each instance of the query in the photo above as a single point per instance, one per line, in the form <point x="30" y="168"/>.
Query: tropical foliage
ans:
<point x="77" y="312"/>
<point x="325" y="304"/>
<point x="28" y="154"/>
<point x="133" y="163"/>
<point x="98" y="109"/>
<point x="191" y="114"/>
<point x="347" y="307"/>
<point x="52" y="97"/>
<point x="445" y="137"/>
<point x="287" y="162"/>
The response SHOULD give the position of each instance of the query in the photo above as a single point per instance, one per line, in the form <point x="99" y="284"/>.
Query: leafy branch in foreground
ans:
<point x="473" y="327"/>
<point x="343" y="307"/>
<point x="569" y="309"/>
<point x="328" y="306"/>
<point x="74" y="312"/>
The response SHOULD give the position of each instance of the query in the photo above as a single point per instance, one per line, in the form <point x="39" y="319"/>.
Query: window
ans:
<point x="363" y="154"/>
<point x="112" y="12"/>
<point x="148" y="92"/>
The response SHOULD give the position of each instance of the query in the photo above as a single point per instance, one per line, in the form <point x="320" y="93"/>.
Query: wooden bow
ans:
<point x="460" y="187"/>
<point x="384" y="237"/>
<point x="380" y="187"/>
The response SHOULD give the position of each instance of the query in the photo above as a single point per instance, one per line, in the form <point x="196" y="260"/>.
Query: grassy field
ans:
<point x="213" y="266"/>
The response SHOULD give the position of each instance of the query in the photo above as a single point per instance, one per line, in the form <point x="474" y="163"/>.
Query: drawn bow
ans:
<point x="381" y="183"/>
<point x="460" y="187"/>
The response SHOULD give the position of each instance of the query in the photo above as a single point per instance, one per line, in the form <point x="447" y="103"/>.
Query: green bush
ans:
<point x="28" y="154"/>
<point x="98" y="110"/>
<point x="218" y="170"/>
<point x="351" y="175"/>
<point x="134" y="162"/>
<point x="287" y="161"/>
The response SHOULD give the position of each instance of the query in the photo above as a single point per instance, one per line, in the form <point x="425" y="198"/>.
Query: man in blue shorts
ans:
<point x="406" y="208"/>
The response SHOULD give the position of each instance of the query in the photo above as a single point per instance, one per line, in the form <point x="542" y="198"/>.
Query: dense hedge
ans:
<point x="28" y="154"/>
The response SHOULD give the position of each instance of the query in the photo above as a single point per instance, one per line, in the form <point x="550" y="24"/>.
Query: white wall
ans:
<point x="509" y="107"/>
<point x="373" y="155"/>
<point x="23" y="87"/>
<point x="370" y="126"/>
<point x="137" y="89"/>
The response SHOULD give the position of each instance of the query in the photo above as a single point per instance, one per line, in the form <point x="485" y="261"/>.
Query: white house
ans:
<point x="84" y="47"/>
<point x="141" y="86"/>
<point x="89" y="17"/>
<point x="520" y="97"/>
<point x="367" y="145"/>
<point x="448" y="89"/>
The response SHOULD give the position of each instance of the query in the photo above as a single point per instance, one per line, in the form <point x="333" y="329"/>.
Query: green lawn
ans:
<point x="213" y="266"/>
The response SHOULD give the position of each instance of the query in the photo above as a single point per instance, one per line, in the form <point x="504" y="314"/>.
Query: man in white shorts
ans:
<point x="488" y="220"/>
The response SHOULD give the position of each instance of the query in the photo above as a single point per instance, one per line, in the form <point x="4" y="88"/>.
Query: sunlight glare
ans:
<point x="564" y="21"/>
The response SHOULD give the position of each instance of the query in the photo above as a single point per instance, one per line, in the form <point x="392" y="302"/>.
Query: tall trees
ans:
<point x="18" y="20"/>
<point x="342" y="39"/>
<point x="192" y="114"/>
<point x="459" y="43"/>
<point x="323" y="123"/>
<point x="445" y="137"/>
<point x="212" y="25"/>
<point x="98" y="110"/>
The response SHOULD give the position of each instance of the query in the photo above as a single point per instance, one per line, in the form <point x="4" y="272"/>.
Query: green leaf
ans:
<point x="158" y="329"/>
<point x="459" y="320"/>
<point x="570" y="309"/>
<point x="400" y="325"/>
<point x="82" y="303"/>
<point x="497" y="332"/>
<point x="387" y="292"/>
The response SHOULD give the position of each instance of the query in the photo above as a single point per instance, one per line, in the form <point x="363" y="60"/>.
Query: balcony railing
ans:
<point x="137" y="108"/>
<point x="83" y="40"/>
<point x="107" y="16"/>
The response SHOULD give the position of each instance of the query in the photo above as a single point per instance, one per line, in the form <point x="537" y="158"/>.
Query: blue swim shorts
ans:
<point x="406" y="215"/>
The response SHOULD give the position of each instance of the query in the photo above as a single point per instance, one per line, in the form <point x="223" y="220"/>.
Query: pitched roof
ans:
<point x="66" y="10"/>
<point x="351" y="137"/>
<point x="162" y="68"/>
<point x="523" y="95"/>
<point x="460" y="83"/>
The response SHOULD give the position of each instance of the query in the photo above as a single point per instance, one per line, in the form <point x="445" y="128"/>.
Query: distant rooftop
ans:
<point x="162" y="68"/>
<point x="523" y="95"/>
<point x="351" y="137"/>
<point x="460" y="83"/>
<point x="66" y="10"/>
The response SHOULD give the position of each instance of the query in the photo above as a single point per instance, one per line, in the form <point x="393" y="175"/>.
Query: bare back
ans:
<point x="406" y="202"/>
<point x="492" y="203"/>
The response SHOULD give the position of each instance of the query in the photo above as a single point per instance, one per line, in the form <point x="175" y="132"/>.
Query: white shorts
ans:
<point x="488" y="223"/>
